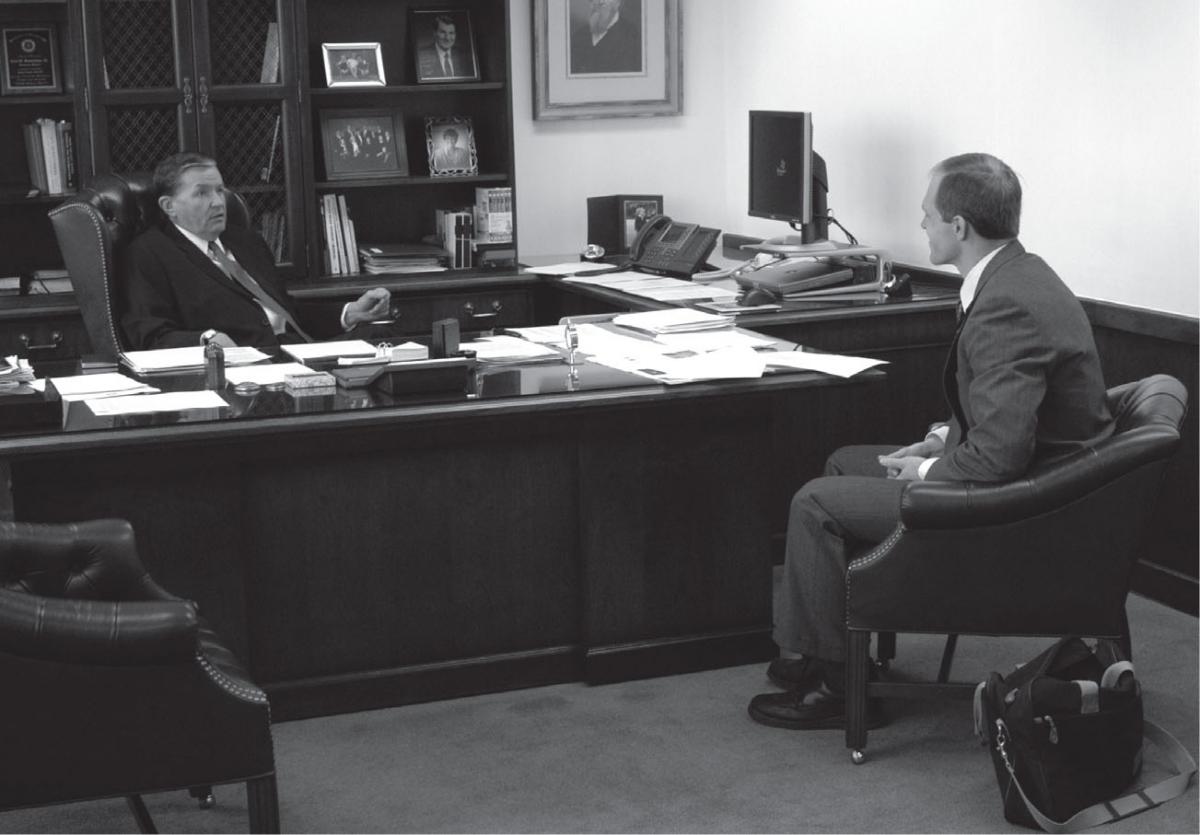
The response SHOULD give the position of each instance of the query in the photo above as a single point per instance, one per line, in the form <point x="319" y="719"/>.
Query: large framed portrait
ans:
<point x="443" y="46"/>
<point x="606" y="58"/>
<point x="363" y="144"/>
<point x="353" y="64"/>
<point x="450" y="141"/>
<point x="30" y="55"/>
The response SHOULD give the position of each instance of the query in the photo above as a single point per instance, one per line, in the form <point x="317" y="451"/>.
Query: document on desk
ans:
<point x="542" y="334"/>
<point x="732" y="363"/>
<point x="835" y="364"/>
<point x="184" y="359"/>
<point x="108" y="384"/>
<point x="171" y="401"/>
<point x="510" y="349"/>
<point x="265" y="375"/>
<point x="571" y="268"/>
<point x="712" y="340"/>
<point x="309" y="351"/>
<point x="673" y="320"/>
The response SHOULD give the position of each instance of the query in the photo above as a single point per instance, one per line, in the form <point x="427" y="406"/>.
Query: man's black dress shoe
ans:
<point x="815" y="709"/>
<point x="795" y="673"/>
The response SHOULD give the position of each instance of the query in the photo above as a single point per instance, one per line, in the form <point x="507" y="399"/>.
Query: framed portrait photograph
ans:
<point x="450" y="141"/>
<point x="30" y="56"/>
<point x="635" y="213"/>
<point x="353" y="64"/>
<point x="443" y="46"/>
<point x="606" y="58"/>
<point x="363" y="144"/>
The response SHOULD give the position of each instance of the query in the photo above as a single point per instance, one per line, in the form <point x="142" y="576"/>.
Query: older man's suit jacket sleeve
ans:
<point x="1023" y="377"/>
<point x="171" y="292"/>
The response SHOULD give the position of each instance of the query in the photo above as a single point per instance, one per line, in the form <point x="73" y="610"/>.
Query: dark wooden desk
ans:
<point x="360" y="552"/>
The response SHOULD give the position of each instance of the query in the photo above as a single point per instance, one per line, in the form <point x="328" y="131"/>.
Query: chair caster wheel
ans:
<point x="858" y="757"/>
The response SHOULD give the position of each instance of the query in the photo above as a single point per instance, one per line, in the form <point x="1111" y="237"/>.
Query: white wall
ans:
<point x="1095" y="103"/>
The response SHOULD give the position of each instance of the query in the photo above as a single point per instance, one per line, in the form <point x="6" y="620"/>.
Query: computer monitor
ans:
<point x="787" y="178"/>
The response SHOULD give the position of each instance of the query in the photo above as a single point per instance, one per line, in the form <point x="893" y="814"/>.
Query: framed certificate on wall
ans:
<point x="30" y="60"/>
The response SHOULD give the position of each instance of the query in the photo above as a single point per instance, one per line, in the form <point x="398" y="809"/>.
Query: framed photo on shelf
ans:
<point x="443" y="45"/>
<point x="450" y="141"/>
<point x="635" y="212"/>
<point x="593" y="60"/>
<point x="363" y="144"/>
<point x="30" y="60"/>
<point x="353" y="64"/>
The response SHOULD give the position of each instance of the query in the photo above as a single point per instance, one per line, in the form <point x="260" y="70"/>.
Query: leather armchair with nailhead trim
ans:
<point x="114" y="687"/>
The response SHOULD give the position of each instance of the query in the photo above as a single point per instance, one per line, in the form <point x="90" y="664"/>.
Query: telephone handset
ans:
<point x="665" y="247"/>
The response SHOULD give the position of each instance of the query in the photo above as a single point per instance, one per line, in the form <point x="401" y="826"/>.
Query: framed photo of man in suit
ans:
<point x="443" y="46"/>
<point x="451" y="144"/>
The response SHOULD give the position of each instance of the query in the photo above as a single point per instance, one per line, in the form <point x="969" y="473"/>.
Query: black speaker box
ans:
<point x="611" y="219"/>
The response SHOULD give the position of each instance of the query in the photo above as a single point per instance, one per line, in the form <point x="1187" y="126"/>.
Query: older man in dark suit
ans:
<point x="191" y="279"/>
<point x="1024" y="385"/>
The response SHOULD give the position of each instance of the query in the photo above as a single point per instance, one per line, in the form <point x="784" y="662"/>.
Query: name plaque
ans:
<point x="30" y="61"/>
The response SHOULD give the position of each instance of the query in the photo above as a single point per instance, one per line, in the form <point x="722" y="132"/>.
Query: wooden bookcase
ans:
<point x="145" y="78"/>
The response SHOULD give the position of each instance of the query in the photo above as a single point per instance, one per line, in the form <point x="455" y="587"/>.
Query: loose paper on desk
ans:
<point x="835" y="364"/>
<point x="711" y="340"/>
<point x="571" y="268"/>
<point x="265" y="375"/>
<point x="109" y="384"/>
<point x="184" y="359"/>
<point x="510" y="349"/>
<point x="672" y="320"/>
<point x="306" y="351"/>
<point x="736" y="362"/>
<point x="171" y="401"/>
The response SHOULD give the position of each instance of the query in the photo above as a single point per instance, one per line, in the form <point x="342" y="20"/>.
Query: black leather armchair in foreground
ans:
<point x="114" y="687"/>
<point x="1047" y="555"/>
<point x="92" y="228"/>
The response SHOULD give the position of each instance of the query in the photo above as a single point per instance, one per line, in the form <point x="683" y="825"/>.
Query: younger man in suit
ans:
<point x="191" y="279"/>
<point x="1025" y="388"/>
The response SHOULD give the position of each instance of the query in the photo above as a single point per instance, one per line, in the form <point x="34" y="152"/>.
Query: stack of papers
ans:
<point x="835" y="364"/>
<point x="88" y="386"/>
<point x="402" y="258"/>
<point x="15" y="371"/>
<point x="659" y="288"/>
<point x="674" y="320"/>
<point x="317" y="351"/>
<point x="498" y="349"/>
<point x="184" y="359"/>
<point x="172" y="401"/>
<point x="265" y="375"/>
<point x="572" y="268"/>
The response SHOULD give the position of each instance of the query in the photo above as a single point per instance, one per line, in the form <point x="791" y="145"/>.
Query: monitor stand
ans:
<point x="796" y="245"/>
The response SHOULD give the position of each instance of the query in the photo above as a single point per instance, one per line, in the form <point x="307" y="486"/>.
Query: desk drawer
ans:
<point x="474" y="311"/>
<point x="54" y="338"/>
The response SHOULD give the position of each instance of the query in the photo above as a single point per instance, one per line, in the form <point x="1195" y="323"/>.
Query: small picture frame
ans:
<point x="30" y="60"/>
<point x="443" y="46"/>
<point x="636" y="211"/>
<point x="450" y="141"/>
<point x="353" y="64"/>
<point x="363" y="144"/>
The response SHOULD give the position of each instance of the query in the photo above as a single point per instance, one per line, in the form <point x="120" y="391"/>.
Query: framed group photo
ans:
<point x="443" y="46"/>
<point x="636" y="213"/>
<point x="353" y="64"/>
<point x="606" y="59"/>
<point x="450" y="142"/>
<point x="363" y="144"/>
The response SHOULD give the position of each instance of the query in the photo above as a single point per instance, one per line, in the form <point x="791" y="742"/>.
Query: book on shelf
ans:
<point x="456" y="233"/>
<point x="402" y="258"/>
<point x="50" y="155"/>
<point x="272" y="225"/>
<point x="493" y="214"/>
<point x="349" y="247"/>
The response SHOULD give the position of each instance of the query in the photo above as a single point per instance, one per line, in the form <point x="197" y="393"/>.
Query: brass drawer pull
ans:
<point x="469" y="309"/>
<point x="56" y="340"/>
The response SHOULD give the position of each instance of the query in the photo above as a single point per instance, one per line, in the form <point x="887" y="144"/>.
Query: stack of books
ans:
<point x="50" y="152"/>
<point x="672" y="320"/>
<point x="402" y="258"/>
<point x="340" y="245"/>
<point x="493" y="215"/>
<point x="50" y="281"/>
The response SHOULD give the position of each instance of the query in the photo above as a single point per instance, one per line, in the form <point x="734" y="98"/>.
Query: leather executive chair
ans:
<point x="114" y="687"/>
<point x="1047" y="555"/>
<point x="92" y="228"/>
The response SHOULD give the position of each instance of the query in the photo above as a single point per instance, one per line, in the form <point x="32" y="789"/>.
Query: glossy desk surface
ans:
<point x="489" y="388"/>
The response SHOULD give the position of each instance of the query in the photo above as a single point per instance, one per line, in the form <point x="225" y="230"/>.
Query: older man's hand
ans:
<point x="371" y="306"/>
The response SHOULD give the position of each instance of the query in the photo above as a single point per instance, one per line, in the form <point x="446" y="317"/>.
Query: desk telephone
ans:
<point x="665" y="247"/>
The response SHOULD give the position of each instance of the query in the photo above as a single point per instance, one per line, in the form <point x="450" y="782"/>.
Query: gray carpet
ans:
<point x="675" y="754"/>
